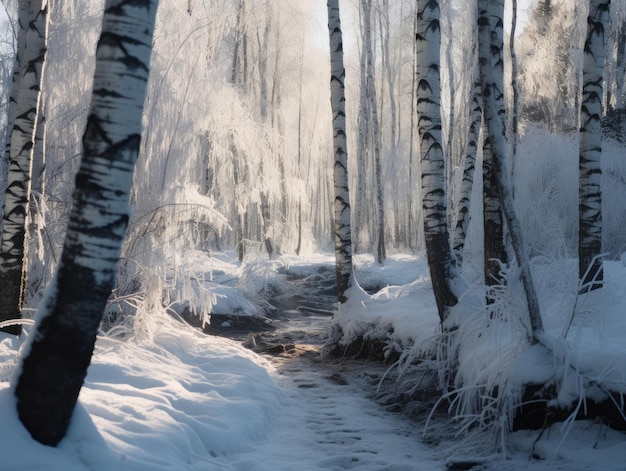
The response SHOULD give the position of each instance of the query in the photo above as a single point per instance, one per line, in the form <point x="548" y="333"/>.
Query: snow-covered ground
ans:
<point x="174" y="398"/>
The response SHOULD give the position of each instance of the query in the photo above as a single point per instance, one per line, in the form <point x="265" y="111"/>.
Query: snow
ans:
<point x="178" y="399"/>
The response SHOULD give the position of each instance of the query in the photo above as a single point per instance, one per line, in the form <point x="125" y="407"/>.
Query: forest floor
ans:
<point x="168" y="396"/>
<point x="331" y="418"/>
<point x="341" y="413"/>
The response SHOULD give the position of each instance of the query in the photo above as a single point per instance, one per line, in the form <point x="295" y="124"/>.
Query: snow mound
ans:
<point x="185" y="401"/>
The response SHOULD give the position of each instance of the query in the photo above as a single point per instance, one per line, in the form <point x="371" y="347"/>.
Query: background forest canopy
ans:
<point x="237" y="150"/>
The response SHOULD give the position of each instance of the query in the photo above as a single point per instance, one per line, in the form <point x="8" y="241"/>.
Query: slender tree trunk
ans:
<point x="490" y="14"/>
<point x="451" y="90"/>
<point x="590" y="172"/>
<point x="236" y="203"/>
<point x="385" y="45"/>
<point x="266" y="220"/>
<point x="19" y="69"/>
<point x="363" y="149"/>
<point x="493" y="223"/>
<point x="375" y="132"/>
<point x="239" y="26"/>
<point x="60" y="349"/>
<point x="263" y="46"/>
<point x="343" y="238"/>
<point x="514" y="86"/>
<point x="428" y="39"/>
<point x="299" y="243"/>
<point x="13" y="252"/>
<point x="469" y="166"/>
<point x="412" y="241"/>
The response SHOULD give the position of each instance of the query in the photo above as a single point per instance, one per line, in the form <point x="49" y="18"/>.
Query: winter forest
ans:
<point x="297" y="234"/>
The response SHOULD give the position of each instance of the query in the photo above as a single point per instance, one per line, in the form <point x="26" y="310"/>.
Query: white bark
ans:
<point x="13" y="257"/>
<point x="490" y="40"/>
<point x="590" y="192"/>
<point x="469" y="168"/>
<point x="56" y="359"/>
<point x="343" y="238"/>
<point x="428" y="52"/>
<point x="379" y="220"/>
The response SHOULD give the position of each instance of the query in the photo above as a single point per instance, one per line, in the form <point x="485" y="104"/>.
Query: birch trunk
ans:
<point x="13" y="251"/>
<point x="590" y="172"/>
<point x="515" y="92"/>
<point x="19" y="68"/>
<point x="428" y="37"/>
<point x="493" y="223"/>
<point x="379" y="220"/>
<point x="469" y="166"/>
<point x="490" y="40"/>
<point x="360" y="205"/>
<point x="56" y="359"/>
<point x="343" y="239"/>
<point x="412" y="241"/>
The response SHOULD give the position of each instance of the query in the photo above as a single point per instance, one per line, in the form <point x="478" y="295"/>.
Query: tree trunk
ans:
<point x="469" y="166"/>
<point x="13" y="252"/>
<point x="239" y="230"/>
<point x="362" y="154"/>
<point x="412" y="241"/>
<point x="266" y="221"/>
<point x="239" y="26"/>
<point x="490" y="41"/>
<point x="428" y="37"/>
<point x="375" y="132"/>
<point x="590" y="172"/>
<point x="60" y="349"/>
<point x="19" y="68"/>
<point x="451" y="89"/>
<point x="299" y="237"/>
<point x="515" y="92"/>
<point x="385" y="46"/>
<point x="343" y="239"/>
<point x="493" y="224"/>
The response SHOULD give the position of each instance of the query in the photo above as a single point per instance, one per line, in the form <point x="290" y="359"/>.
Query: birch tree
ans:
<point x="18" y="70"/>
<point x="590" y="172"/>
<point x="490" y="47"/>
<point x="13" y="253"/>
<point x="428" y="96"/>
<point x="379" y="228"/>
<point x="493" y="224"/>
<point x="342" y="228"/>
<point x="469" y="166"/>
<point x="54" y="367"/>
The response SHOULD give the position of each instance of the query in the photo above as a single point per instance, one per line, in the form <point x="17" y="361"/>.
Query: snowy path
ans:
<point x="327" y="422"/>
<point x="329" y="419"/>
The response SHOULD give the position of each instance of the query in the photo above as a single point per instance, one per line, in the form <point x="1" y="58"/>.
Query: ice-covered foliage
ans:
<point x="484" y="366"/>
<point x="550" y="59"/>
